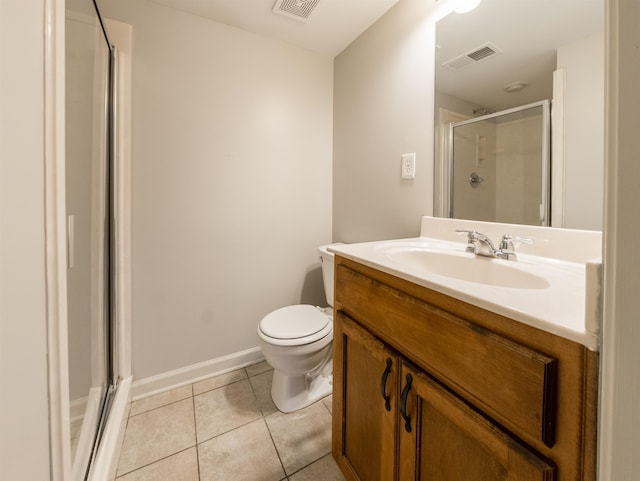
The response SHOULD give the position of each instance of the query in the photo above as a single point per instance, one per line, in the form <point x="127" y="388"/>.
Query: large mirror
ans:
<point x="505" y="54"/>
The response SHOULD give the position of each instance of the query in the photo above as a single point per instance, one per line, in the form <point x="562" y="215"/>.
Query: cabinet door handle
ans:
<point x="383" y="385"/>
<point x="403" y="404"/>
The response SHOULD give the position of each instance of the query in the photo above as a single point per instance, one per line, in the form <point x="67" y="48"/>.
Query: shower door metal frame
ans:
<point x="110" y="308"/>
<point x="56" y="256"/>
<point x="545" y="210"/>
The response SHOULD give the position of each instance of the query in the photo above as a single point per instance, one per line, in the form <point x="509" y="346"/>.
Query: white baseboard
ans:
<point x="195" y="372"/>
<point x="77" y="408"/>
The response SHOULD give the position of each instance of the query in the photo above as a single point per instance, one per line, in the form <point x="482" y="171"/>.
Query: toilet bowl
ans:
<point x="297" y="342"/>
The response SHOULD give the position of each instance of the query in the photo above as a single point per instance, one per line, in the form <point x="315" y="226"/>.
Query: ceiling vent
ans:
<point x="472" y="57"/>
<point x="299" y="10"/>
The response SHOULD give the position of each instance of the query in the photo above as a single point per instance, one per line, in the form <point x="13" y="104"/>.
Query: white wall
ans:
<point x="584" y="111"/>
<point x="231" y="183"/>
<point x="383" y="90"/>
<point x="449" y="102"/>
<point x="620" y="380"/>
<point x="24" y="433"/>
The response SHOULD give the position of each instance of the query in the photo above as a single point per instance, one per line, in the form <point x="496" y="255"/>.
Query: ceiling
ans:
<point x="528" y="33"/>
<point x="332" y="26"/>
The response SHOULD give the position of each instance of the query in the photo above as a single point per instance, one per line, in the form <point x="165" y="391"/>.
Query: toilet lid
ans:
<point x="293" y="322"/>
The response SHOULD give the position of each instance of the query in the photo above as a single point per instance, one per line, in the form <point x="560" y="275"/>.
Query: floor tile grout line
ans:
<point x="307" y="465"/>
<point x="228" y="431"/>
<point x="257" y="405"/>
<point x="327" y="407"/>
<point x="122" y="443"/>
<point x="195" y="429"/>
<point x="269" y="368"/>
<point x="193" y="393"/>
<point x="275" y="447"/>
<point x="187" y="397"/>
<point x="278" y="452"/>
<point x="159" y="407"/>
<point x="118" y="476"/>
<point x="218" y="387"/>
<point x="255" y="395"/>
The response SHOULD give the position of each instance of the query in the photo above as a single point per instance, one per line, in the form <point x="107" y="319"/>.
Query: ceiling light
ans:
<point x="516" y="86"/>
<point x="465" y="6"/>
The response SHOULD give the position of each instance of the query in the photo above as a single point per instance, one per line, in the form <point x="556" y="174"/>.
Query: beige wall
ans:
<point x="383" y="108"/>
<point x="24" y="433"/>
<point x="584" y="141"/>
<point x="231" y="183"/>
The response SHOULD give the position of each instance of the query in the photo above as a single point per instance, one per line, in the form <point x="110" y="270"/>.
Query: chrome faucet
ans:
<point x="479" y="244"/>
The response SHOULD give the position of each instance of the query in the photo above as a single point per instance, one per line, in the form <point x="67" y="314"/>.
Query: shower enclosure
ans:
<point x="89" y="163"/>
<point x="499" y="166"/>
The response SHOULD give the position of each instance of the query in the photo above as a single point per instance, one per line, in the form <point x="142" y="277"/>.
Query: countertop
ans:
<point x="566" y="303"/>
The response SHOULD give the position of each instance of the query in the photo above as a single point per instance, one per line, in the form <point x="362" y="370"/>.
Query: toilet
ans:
<point x="297" y="342"/>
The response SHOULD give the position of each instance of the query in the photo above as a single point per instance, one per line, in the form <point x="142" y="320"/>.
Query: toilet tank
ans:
<point x="327" y="270"/>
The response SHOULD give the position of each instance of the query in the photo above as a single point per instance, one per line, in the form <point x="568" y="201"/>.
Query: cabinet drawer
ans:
<point x="511" y="383"/>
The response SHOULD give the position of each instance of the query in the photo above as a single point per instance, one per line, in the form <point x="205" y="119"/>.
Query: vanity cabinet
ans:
<point x="429" y="388"/>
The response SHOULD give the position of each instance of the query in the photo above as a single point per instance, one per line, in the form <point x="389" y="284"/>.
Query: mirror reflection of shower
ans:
<point x="499" y="166"/>
<point x="500" y="62"/>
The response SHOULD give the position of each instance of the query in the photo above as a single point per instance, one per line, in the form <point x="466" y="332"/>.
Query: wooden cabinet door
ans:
<point x="442" y="438"/>
<point x="364" y="403"/>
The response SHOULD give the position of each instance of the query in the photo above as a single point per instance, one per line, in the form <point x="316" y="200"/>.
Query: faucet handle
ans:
<point x="471" y="238"/>
<point x="507" y="250"/>
<point x="508" y="240"/>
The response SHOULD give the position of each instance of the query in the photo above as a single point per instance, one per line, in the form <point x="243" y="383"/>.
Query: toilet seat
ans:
<point x="295" y="325"/>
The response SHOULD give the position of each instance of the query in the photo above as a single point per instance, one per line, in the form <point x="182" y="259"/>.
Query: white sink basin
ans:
<point x="469" y="267"/>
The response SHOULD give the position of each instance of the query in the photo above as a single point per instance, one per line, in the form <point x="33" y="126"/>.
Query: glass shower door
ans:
<point x="88" y="186"/>
<point x="500" y="166"/>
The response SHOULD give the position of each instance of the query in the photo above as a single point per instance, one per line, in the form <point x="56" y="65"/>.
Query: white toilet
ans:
<point x="297" y="342"/>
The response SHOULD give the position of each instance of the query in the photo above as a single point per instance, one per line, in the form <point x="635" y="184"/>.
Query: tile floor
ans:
<point x="226" y="428"/>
